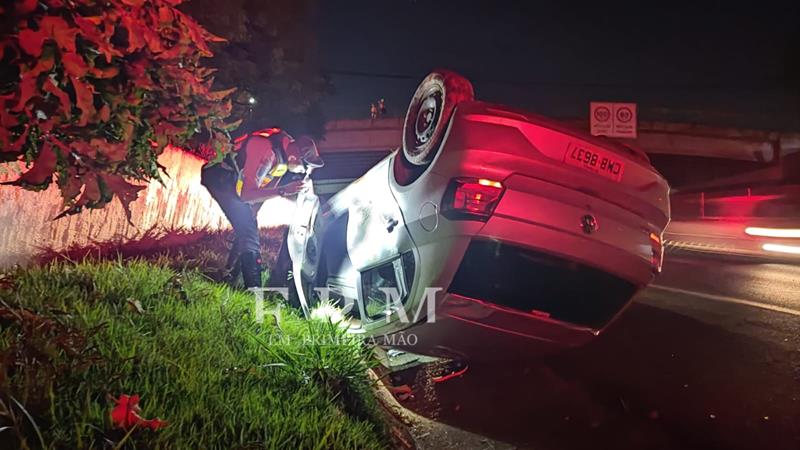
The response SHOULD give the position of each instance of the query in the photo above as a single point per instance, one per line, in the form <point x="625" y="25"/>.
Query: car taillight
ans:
<point x="657" y="248"/>
<point x="471" y="198"/>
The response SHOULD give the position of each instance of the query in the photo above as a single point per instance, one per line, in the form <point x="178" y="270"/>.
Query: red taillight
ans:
<point x="658" y="252"/>
<point x="471" y="198"/>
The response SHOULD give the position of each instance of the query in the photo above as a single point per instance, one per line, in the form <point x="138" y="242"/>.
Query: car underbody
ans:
<point x="517" y="233"/>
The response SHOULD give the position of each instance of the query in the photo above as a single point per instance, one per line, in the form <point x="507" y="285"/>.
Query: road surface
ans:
<point x="709" y="358"/>
<point x="762" y="285"/>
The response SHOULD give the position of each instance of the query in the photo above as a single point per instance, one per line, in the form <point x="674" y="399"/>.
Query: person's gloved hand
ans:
<point x="292" y="188"/>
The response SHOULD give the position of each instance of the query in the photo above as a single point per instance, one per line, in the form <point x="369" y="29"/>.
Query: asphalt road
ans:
<point x="759" y="284"/>
<point x="707" y="359"/>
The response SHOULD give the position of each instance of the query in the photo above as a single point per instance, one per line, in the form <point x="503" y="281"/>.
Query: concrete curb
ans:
<point x="429" y="434"/>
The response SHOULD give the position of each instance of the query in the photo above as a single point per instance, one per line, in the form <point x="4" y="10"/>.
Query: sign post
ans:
<point x="612" y="119"/>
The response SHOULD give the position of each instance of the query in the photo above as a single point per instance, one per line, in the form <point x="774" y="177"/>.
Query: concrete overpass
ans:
<point x="687" y="154"/>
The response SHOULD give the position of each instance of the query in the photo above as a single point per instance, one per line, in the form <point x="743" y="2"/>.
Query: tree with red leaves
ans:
<point x="92" y="92"/>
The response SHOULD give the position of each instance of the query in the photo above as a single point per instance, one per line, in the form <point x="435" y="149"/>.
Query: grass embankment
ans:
<point x="74" y="335"/>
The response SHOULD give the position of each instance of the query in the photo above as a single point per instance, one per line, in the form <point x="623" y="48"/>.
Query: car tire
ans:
<point x="429" y="113"/>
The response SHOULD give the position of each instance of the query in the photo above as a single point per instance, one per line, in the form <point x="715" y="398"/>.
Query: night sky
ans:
<point x="714" y="63"/>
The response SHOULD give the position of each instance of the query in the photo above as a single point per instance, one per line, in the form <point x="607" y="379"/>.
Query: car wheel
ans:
<point x="429" y="113"/>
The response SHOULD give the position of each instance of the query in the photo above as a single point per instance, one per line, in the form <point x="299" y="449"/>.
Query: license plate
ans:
<point x="594" y="160"/>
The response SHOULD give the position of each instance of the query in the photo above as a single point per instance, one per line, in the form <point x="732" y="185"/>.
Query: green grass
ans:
<point x="74" y="335"/>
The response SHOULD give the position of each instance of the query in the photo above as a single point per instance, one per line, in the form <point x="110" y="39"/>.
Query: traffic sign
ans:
<point x="612" y="119"/>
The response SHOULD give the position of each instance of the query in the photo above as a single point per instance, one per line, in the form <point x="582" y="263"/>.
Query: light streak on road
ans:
<point x="780" y="248"/>
<point x="773" y="232"/>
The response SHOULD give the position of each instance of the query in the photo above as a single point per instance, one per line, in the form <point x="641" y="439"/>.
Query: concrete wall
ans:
<point x="27" y="225"/>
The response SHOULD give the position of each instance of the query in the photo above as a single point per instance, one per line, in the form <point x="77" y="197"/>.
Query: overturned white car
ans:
<point x="490" y="230"/>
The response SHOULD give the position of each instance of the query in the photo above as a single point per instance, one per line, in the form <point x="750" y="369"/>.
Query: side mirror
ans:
<point x="306" y="149"/>
<point x="314" y="162"/>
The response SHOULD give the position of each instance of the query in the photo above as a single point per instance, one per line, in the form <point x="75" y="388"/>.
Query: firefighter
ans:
<point x="264" y="164"/>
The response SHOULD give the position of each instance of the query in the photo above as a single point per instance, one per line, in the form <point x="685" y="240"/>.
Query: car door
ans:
<point x="379" y="247"/>
<point x="302" y="242"/>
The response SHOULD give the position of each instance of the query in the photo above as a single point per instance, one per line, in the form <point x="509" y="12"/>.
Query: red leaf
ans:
<point x="136" y="70"/>
<point x="108" y="50"/>
<point x="165" y="15"/>
<point x="43" y="64"/>
<point x="213" y="37"/>
<point x="74" y="64"/>
<point x="43" y="167"/>
<point x="70" y="186"/>
<point x="126" y="192"/>
<point x="90" y="198"/>
<point x="26" y="6"/>
<point x="50" y="86"/>
<point x="204" y="72"/>
<point x="127" y="132"/>
<point x="85" y="149"/>
<point x="114" y="152"/>
<point x="232" y="125"/>
<point x="108" y="72"/>
<point x="198" y="34"/>
<point x="133" y="2"/>
<point x="167" y="111"/>
<point x="46" y="126"/>
<point x="125" y="414"/>
<point x="61" y="146"/>
<point x="175" y="52"/>
<point x="91" y="193"/>
<point x="31" y="41"/>
<point x="219" y="95"/>
<point x="164" y="128"/>
<point x="85" y="99"/>
<point x="7" y="120"/>
<point x="27" y="88"/>
<point x="89" y="28"/>
<point x="59" y="30"/>
<point x="135" y="33"/>
<point x="153" y="41"/>
<point x="105" y="113"/>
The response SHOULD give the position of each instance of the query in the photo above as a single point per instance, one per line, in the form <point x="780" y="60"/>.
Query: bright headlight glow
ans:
<point x="773" y="232"/>
<point x="791" y="249"/>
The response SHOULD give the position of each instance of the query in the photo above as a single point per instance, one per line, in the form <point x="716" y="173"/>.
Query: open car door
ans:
<point x="369" y="263"/>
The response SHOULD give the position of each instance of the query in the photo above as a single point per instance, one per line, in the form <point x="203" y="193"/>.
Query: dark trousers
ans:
<point x="221" y="184"/>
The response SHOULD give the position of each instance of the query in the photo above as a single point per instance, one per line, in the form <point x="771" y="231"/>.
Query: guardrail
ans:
<point x="777" y="240"/>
